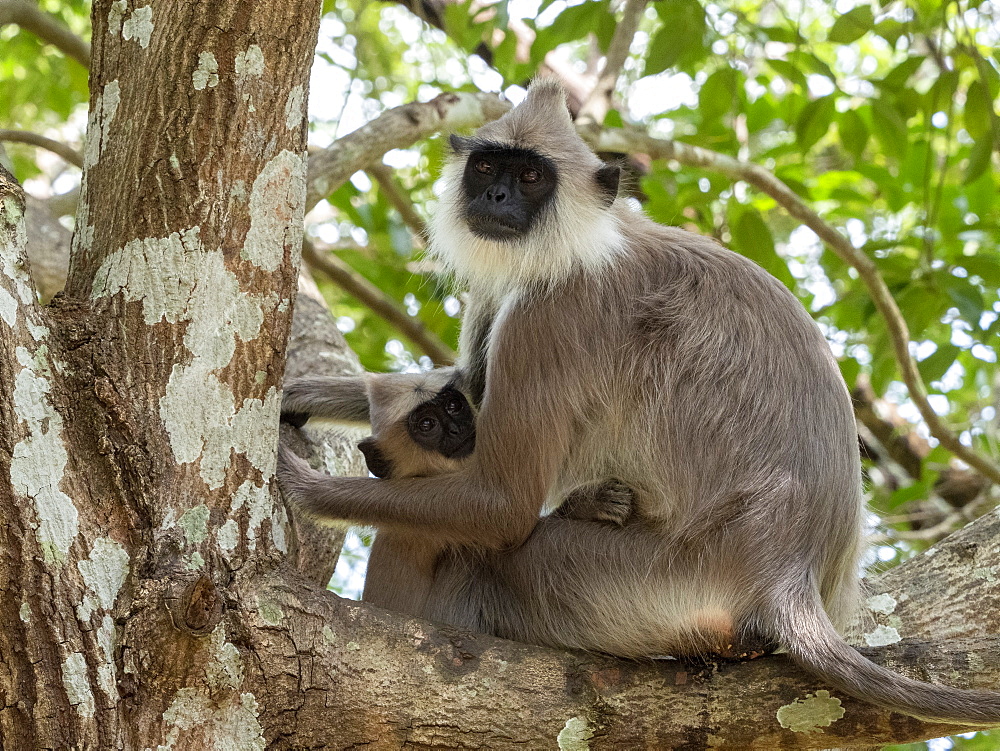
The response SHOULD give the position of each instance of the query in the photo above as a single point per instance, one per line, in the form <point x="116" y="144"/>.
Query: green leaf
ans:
<point x="980" y="158"/>
<point x="898" y="76"/>
<point x="883" y="369"/>
<point x="575" y="22"/>
<point x="966" y="298"/>
<point x="719" y="94"/>
<point x="978" y="111"/>
<point x="921" y="306"/>
<point x="458" y="23"/>
<point x="814" y="121"/>
<point x="934" y="366"/>
<point x="986" y="267"/>
<point x="752" y="238"/>
<point x="852" y="25"/>
<point x="918" y="490"/>
<point x="890" y="127"/>
<point x="850" y="369"/>
<point x="680" y="41"/>
<point x="781" y="34"/>
<point x="853" y="133"/>
<point x="792" y="72"/>
<point x="890" y="30"/>
<point x="613" y="119"/>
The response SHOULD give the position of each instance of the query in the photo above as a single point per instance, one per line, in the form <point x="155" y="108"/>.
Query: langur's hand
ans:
<point x="296" y="478"/>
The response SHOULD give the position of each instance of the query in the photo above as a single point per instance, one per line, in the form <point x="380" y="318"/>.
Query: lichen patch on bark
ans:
<point x="225" y="669"/>
<point x="270" y="613"/>
<point x="107" y="677"/>
<point x="207" y="72"/>
<point x="8" y="308"/>
<point x="277" y="201"/>
<point x="259" y="505"/>
<point x="575" y="735"/>
<point x="295" y="107"/>
<point x="38" y="463"/>
<point x="74" y="676"/>
<point x="812" y="714"/>
<point x="105" y="570"/>
<point x="227" y="725"/>
<point x="883" y="603"/>
<point x="228" y="536"/>
<point x="882" y="636"/>
<point x="116" y="13"/>
<point x="279" y="525"/>
<point x="194" y="524"/>
<point x="198" y="414"/>
<point x="139" y="26"/>
<point x="177" y="280"/>
<point x="249" y="64"/>
<point x="99" y="122"/>
<point x="13" y="239"/>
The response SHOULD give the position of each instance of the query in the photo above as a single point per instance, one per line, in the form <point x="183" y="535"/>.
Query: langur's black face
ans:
<point x="506" y="188"/>
<point x="444" y="424"/>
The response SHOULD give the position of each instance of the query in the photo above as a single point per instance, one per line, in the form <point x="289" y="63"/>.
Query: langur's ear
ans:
<point x="378" y="464"/>
<point x="608" y="177"/>
<point x="460" y="145"/>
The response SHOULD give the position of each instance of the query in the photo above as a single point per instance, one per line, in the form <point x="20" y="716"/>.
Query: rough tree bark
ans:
<point x="152" y="591"/>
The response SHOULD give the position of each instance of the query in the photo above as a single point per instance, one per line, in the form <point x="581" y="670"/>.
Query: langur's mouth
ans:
<point x="490" y="228"/>
<point x="464" y="449"/>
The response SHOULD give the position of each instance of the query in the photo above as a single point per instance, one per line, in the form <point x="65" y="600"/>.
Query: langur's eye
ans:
<point x="530" y="176"/>
<point x="484" y="167"/>
<point x="453" y="407"/>
<point x="427" y="425"/>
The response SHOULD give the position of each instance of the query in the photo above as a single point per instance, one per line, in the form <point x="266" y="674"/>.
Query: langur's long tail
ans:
<point x="813" y="643"/>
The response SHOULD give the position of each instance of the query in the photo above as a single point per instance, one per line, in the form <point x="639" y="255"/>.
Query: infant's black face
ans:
<point x="444" y="424"/>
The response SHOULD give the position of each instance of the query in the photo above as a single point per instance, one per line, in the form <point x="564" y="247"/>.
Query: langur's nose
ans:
<point x="499" y="195"/>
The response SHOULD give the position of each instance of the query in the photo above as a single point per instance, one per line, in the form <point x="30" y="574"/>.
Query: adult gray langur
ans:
<point x="603" y="345"/>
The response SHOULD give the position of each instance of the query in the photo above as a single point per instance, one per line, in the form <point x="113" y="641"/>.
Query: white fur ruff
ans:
<point x="550" y="252"/>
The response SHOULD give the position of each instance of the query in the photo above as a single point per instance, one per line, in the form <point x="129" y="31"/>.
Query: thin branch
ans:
<point x="399" y="201"/>
<point x="398" y="128"/>
<point x="616" y="139"/>
<point x="381" y="304"/>
<point x="46" y="27"/>
<point x="597" y="104"/>
<point x="25" y="136"/>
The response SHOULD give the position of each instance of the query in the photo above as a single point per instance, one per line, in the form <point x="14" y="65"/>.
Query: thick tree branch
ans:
<point x="629" y="142"/>
<point x="46" y="27"/>
<point x="383" y="306"/>
<point x="599" y="100"/>
<point x="24" y="136"/>
<point x="397" y="128"/>
<point x="535" y="693"/>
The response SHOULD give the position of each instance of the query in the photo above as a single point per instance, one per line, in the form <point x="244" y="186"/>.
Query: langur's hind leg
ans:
<point x="400" y="572"/>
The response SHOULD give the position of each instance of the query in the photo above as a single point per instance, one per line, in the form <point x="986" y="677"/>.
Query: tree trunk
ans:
<point x="152" y="590"/>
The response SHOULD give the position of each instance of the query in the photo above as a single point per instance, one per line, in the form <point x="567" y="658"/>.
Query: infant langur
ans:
<point x="422" y="425"/>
